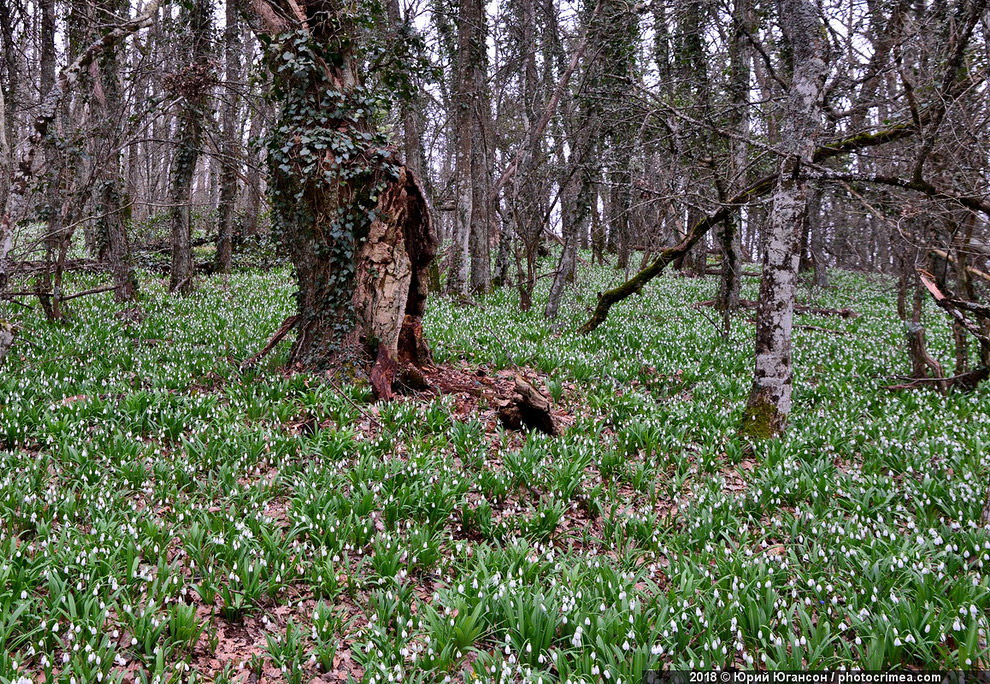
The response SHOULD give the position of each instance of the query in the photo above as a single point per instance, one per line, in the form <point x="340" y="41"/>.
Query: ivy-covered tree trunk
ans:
<point x="112" y="206"/>
<point x="191" y="84"/>
<point x="770" y="397"/>
<point x="353" y="221"/>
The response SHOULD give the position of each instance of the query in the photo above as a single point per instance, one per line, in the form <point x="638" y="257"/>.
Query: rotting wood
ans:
<point x="528" y="407"/>
<point x="383" y="374"/>
<point x="8" y="331"/>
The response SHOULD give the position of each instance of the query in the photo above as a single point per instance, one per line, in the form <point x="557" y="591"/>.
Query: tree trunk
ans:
<point x="230" y="162"/>
<point x="731" y="240"/>
<point x="112" y="205"/>
<point x="193" y="83"/>
<point x="770" y="398"/>
<point x="354" y="224"/>
<point x="469" y="23"/>
<point x="479" y="242"/>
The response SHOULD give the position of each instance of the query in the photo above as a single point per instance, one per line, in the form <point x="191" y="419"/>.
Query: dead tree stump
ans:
<point x="529" y="408"/>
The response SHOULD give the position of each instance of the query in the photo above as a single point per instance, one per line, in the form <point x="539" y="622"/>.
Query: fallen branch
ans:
<point x="65" y="298"/>
<point x="818" y="328"/>
<point x="982" y="275"/>
<point x="965" y="382"/>
<point x="798" y="308"/>
<point x="25" y="268"/>
<point x="283" y="330"/>
<point x="718" y="271"/>
<point x="337" y="388"/>
<point x="947" y="304"/>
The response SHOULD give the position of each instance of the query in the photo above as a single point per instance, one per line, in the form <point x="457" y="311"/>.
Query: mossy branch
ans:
<point x="756" y="190"/>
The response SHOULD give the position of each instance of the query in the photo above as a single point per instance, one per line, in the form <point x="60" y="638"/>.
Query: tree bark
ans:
<point x="469" y="26"/>
<point x="231" y="161"/>
<point x="192" y="83"/>
<point x="354" y="224"/>
<point x="770" y="397"/>
<point x="112" y="205"/>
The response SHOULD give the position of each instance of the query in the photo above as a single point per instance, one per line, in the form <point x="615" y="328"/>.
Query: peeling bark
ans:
<point x="358" y="232"/>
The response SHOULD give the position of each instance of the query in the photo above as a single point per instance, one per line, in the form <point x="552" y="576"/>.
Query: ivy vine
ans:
<point x="328" y="165"/>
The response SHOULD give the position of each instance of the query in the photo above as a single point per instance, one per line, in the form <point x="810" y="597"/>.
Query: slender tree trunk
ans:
<point x="230" y="163"/>
<point x="479" y="242"/>
<point x="194" y="83"/>
<point x="465" y="134"/>
<point x="770" y="398"/>
<point x="730" y="238"/>
<point x="9" y="99"/>
<point x="52" y="169"/>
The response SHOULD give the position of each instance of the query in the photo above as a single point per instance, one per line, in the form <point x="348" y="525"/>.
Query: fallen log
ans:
<point x="527" y="407"/>
<point x="63" y="298"/>
<point x="27" y="268"/>
<point x="798" y="308"/>
<point x="718" y="271"/>
<point x="814" y="328"/>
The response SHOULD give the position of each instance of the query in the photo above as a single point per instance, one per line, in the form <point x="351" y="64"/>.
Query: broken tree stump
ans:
<point x="8" y="331"/>
<point x="528" y="407"/>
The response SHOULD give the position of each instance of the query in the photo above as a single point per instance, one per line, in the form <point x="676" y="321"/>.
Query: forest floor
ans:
<point x="163" y="514"/>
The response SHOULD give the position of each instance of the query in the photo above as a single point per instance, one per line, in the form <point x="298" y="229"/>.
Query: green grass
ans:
<point x="162" y="513"/>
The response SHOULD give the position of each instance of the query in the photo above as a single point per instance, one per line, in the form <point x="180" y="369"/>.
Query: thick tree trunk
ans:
<point x="770" y="397"/>
<point x="354" y="224"/>
<point x="112" y="206"/>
